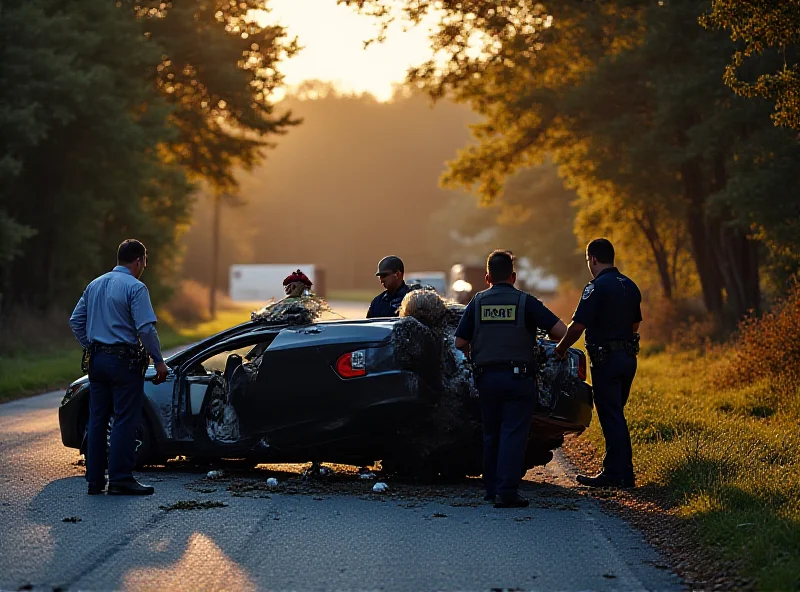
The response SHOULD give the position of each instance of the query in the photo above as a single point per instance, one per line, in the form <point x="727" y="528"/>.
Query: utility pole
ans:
<point x="212" y="297"/>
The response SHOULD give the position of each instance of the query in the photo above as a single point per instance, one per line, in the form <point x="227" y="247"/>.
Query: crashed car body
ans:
<point x="329" y="391"/>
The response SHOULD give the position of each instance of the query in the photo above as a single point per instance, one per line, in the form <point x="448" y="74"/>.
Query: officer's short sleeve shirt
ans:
<point x="537" y="316"/>
<point x="609" y="306"/>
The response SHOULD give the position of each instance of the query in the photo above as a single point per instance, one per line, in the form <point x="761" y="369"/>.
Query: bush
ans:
<point x="767" y="348"/>
<point x="189" y="303"/>
<point x="28" y="330"/>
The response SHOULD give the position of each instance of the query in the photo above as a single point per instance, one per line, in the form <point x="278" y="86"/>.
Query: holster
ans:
<point x="139" y="360"/>
<point x="86" y="359"/>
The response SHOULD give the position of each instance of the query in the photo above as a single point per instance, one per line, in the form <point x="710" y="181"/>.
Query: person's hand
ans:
<point x="161" y="373"/>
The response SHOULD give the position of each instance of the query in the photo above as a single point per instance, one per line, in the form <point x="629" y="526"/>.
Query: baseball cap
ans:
<point x="390" y="264"/>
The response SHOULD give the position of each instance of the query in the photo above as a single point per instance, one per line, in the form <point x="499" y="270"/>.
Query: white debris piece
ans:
<point x="215" y="474"/>
<point x="272" y="482"/>
<point x="325" y="471"/>
<point x="380" y="487"/>
<point x="367" y="476"/>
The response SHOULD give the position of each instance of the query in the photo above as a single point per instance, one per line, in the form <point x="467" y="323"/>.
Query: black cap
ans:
<point x="390" y="264"/>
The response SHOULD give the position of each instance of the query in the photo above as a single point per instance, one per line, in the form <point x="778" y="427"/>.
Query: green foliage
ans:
<point x="217" y="70"/>
<point x="769" y="35"/>
<point x="626" y="97"/>
<point x="107" y="112"/>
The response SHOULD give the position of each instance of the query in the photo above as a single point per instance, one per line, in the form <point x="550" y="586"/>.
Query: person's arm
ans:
<point x="557" y="331"/>
<point x="149" y="338"/>
<point x="572" y="334"/>
<point x="77" y="322"/>
<point x="466" y="328"/>
<point x="584" y="313"/>
<point x="144" y="315"/>
<point x="538" y="316"/>
<point x="370" y="311"/>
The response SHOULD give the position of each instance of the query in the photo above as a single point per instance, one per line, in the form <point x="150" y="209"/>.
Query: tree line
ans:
<point x="110" y="115"/>
<point x="634" y="101"/>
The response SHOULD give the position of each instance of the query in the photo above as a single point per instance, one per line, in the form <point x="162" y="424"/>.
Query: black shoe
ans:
<point x="603" y="480"/>
<point x="512" y="502"/>
<point x="488" y="498"/>
<point x="129" y="487"/>
<point x="97" y="488"/>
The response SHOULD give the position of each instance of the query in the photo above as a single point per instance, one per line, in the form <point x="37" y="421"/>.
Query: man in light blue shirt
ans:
<point x="112" y="316"/>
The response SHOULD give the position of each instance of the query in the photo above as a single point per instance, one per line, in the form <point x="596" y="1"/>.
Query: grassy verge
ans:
<point x="29" y="372"/>
<point x="729" y="459"/>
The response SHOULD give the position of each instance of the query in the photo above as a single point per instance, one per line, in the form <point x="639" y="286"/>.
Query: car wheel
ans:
<point x="146" y="447"/>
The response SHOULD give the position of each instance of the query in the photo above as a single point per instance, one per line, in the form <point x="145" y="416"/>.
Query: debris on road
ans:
<point x="438" y="515"/>
<point x="380" y="487"/>
<point x="72" y="519"/>
<point x="272" y="482"/>
<point x="192" y="505"/>
<point x="215" y="474"/>
<point x="367" y="476"/>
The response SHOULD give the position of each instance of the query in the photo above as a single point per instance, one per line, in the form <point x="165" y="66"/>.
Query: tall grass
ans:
<point x="719" y="428"/>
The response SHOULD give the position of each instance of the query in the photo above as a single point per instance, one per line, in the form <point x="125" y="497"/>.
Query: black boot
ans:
<point x="97" y="488"/>
<point x="129" y="487"/>
<point x="604" y="480"/>
<point x="517" y="501"/>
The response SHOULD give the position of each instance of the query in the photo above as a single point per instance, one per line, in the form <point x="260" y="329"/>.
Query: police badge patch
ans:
<point x="587" y="291"/>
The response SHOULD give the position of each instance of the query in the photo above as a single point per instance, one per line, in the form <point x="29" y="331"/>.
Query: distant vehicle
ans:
<point x="466" y="281"/>
<point x="435" y="279"/>
<point x="334" y="391"/>
<point x="262" y="282"/>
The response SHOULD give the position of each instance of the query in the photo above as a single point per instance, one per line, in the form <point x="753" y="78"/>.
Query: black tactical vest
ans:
<point x="500" y="334"/>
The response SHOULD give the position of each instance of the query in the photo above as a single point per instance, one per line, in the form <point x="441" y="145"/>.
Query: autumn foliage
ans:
<point x="767" y="348"/>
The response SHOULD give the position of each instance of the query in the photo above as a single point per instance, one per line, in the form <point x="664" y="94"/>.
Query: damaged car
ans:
<point x="393" y="390"/>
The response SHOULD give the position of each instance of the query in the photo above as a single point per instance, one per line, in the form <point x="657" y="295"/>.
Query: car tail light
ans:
<point x="582" y="366"/>
<point x="352" y="364"/>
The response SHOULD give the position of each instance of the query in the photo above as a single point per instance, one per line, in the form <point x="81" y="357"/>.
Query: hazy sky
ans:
<point x="333" y="36"/>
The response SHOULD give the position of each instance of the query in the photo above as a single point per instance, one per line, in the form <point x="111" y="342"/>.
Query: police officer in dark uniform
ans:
<point x="115" y="323"/>
<point x="610" y="312"/>
<point x="390" y="271"/>
<point x="498" y="330"/>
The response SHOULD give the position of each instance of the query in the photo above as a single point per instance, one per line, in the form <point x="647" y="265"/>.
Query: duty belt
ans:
<point x="598" y="352"/>
<point x="117" y="348"/>
<point x="135" y="353"/>
<point x="519" y="369"/>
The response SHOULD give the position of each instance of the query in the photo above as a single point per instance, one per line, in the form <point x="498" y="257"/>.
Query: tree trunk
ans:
<point x="707" y="269"/>
<point x="660" y="256"/>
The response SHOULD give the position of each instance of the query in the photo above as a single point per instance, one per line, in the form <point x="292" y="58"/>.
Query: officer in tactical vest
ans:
<point x="498" y="331"/>
<point x="610" y="312"/>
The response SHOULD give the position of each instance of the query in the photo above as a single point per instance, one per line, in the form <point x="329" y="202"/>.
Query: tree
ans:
<point x="217" y="69"/>
<point x="770" y="30"/>
<point x="626" y="96"/>
<point x="108" y="113"/>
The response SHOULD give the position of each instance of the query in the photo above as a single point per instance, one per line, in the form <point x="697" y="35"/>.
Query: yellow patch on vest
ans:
<point x="498" y="312"/>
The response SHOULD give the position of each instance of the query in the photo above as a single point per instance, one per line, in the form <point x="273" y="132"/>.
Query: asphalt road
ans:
<point x="324" y="534"/>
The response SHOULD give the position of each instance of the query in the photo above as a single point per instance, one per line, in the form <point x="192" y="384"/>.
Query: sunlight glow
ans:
<point x="333" y="40"/>
<point x="202" y="561"/>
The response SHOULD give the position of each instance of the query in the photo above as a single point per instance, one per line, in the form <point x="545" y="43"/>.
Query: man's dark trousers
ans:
<point x="507" y="405"/>
<point x="612" y="381"/>
<point x="113" y="387"/>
